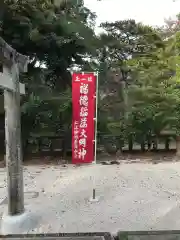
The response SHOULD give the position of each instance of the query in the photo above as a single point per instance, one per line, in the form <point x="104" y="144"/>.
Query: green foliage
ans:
<point x="139" y="69"/>
<point x="125" y="61"/>
<point x="149" y="102"/>
<point x="155" y="97"/>
<point x="56" y="38"/>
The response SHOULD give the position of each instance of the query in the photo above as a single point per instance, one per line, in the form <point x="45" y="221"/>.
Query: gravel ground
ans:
<point x="131" y="197"/>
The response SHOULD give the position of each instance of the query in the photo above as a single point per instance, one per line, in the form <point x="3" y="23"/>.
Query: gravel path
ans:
<point x="131" y="197"/>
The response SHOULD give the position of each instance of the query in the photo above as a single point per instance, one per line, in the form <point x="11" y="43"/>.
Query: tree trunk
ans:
<point x="125" y="99"/>
<point x="130" y="143"/>
<point x="155" y="144"/>
<point x="149" y="144"/>
<point x="178" y="147"/>
<point x="143" y="146"/>
<point x="167" y="141"/>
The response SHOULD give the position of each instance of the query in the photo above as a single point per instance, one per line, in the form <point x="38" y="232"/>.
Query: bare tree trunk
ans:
<point x="125" y="99"/>
<point x="178" y="147"/>
<point x="167" y="141"/>
<point x="155" y="144"/>
<point x="13" y="144"/>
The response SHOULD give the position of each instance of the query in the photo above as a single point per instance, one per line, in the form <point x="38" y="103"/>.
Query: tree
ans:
<point x="155" y="96"/>
<point x="170" y="28"/>
<point x="122" y="41"/>
<point x="56" y="38"/>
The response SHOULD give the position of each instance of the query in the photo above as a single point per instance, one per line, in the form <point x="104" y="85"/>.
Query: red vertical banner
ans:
<point x="83" y="103"/>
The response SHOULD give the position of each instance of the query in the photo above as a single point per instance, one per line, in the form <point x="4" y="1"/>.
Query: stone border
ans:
<point x="124" y="235"/>
<point x="105" y="235"/>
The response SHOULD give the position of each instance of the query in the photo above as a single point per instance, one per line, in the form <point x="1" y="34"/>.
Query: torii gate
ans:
<point x="13" y="63"/>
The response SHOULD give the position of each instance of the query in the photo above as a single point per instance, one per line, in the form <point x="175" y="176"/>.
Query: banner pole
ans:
<point x="94" y="198"/>
<point x="95" y="132"/>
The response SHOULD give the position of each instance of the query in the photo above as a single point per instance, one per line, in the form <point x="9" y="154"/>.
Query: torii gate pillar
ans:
<point x="13" y="63"/>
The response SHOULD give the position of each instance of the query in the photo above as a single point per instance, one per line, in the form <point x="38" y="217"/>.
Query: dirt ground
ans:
<point x="137" y="196"/>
